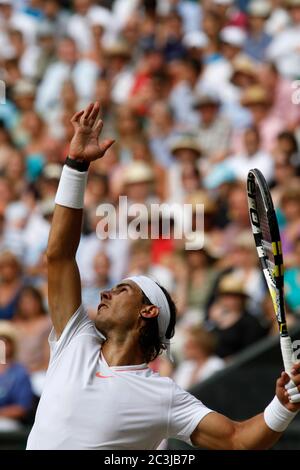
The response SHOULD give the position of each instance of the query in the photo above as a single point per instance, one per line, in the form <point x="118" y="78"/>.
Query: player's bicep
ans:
<point x="215" y="431"/>
<point x="64" y="291"/>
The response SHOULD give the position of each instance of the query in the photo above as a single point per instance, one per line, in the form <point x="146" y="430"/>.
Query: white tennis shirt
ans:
<point x="88" y="405"/>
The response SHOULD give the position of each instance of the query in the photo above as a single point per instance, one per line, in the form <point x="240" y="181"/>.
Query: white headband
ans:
<point x="157" y="297"/>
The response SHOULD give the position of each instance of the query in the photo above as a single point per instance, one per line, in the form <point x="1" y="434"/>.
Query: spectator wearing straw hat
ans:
<point x="259" y="101"/>
<point x="244" y="74"/>
<point x="215" y="130"/>
<point x="186" y="151"/>
<point x="234" y="326"/>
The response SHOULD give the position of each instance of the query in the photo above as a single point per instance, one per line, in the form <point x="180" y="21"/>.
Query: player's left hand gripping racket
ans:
<point x="267" y="239"/>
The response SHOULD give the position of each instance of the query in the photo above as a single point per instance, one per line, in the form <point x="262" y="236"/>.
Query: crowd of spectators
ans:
<point x="195" y="93"/>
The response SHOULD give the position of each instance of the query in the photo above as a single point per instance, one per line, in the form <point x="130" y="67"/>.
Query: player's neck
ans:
<point x="122" y="353"/>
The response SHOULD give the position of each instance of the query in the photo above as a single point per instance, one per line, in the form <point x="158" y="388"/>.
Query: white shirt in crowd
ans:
<point x="49" y="90"/>
<point x="88" y="405"/>
<point x="241" y="164"/>
<point x="186" y="371"/>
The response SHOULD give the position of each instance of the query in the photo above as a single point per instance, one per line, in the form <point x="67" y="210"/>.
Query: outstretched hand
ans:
<point x="87" y="129"/>
<point x="285" y="389"/>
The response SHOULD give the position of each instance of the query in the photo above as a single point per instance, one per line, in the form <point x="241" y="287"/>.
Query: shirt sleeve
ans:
<point x="78" y="324"/>
<point x="185" y="414"/>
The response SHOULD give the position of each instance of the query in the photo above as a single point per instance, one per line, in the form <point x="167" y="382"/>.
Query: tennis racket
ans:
<point x="267" y="239"/>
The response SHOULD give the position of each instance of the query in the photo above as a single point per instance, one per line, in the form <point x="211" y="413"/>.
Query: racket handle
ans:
<point x="287" y="353"/>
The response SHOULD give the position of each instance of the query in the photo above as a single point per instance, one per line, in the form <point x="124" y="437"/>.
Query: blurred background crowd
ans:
<point x="195" y="93"/>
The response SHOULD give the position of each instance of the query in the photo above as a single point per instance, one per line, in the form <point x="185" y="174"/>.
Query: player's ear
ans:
<point x="149" y="311"/>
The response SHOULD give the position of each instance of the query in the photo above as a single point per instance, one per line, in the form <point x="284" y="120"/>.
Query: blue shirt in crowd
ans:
<point x="15" y="387"/>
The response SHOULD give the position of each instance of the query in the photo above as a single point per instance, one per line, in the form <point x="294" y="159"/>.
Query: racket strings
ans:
<point x="266" y="238"/>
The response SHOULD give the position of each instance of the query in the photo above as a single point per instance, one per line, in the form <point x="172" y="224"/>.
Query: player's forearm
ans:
<point x="65" y="233"/>
<point x="254" y="434"/>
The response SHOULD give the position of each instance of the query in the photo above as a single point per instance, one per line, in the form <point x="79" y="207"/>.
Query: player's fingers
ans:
<point x="290" y="384"/>
<point x="85" y="117"/>
<point x="76" y="118"/>
<point x="94" y="114"/>
<point x="283" y="380"/>
<point x="98" y="127"/>
<point x="295" y="398"/>
<point x="104" y="146"/>
<point x="293" y="391"/>
<point x="295" y="369"/>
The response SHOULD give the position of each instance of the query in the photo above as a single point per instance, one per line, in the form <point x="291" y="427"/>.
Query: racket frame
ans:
<point x="274" y="280"/>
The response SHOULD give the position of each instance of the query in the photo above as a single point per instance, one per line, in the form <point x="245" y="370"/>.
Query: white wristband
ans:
<point x="278" y="417"/>
<point x="71" y="188"/>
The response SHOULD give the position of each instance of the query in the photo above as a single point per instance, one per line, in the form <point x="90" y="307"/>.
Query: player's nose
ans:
<point x="105" y="295"/>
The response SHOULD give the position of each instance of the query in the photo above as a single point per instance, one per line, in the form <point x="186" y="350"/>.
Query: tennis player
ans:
<point x="99" y="391"/>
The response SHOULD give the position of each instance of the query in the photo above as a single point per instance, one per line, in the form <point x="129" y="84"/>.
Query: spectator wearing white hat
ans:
<point x="18" y="19"/>
<point x="279" y="18"/>
<point x="284" y="48"/>
<point x="217" y="74"/>
<point x="257" y="39"/>
<point x="233" y="39"/>
<point x="196" y="43"/>
<point x="81" y="23"/>
<point x="191" y="14"/>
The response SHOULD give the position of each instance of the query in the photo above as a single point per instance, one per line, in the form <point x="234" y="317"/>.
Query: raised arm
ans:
<point x="64" y="286"/>
<point x="217" y="432"/>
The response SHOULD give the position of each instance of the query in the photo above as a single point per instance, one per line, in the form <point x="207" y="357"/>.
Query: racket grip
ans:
<point x="287" y="353"/>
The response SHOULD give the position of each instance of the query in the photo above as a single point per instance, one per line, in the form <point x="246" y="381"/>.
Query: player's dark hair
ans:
<point x="150" y="342"/>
